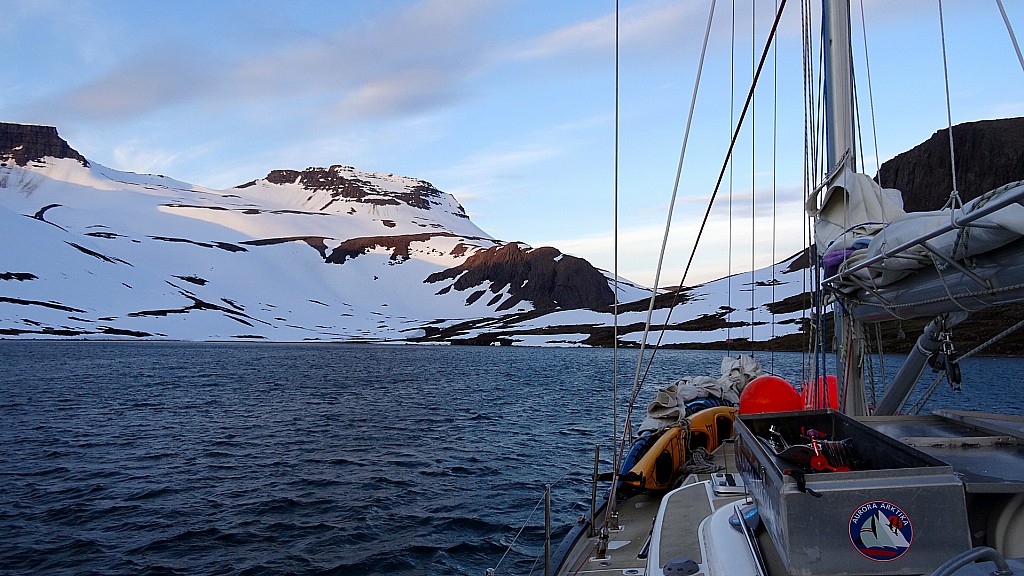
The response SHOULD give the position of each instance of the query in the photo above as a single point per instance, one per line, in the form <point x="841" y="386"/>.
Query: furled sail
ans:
<point x="853" y="208"/>
<point x="873" y="250"/>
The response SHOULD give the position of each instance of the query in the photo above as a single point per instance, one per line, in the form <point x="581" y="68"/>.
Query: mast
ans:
<point x="840" y="140"/>
<point x="993" y="276"/>
<point x="838" y="86"/>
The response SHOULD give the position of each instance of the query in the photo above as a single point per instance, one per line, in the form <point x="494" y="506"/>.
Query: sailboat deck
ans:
<point x="628" y="547"/>
<point x="986" y="451"/>
<point x="682" y="516"/>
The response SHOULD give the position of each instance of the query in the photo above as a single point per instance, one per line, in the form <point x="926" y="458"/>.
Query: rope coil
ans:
<point x="701" y="462"/>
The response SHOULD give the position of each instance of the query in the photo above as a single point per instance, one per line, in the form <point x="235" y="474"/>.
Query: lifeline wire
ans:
<point x="513" y="543"/>
<point x="527" y="522"/>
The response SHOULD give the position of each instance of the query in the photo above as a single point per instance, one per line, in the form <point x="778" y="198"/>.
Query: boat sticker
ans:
<point x="881" y="531"/>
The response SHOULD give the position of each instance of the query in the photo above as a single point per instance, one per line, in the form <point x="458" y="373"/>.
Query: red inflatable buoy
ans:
<point x="769" y="394"/>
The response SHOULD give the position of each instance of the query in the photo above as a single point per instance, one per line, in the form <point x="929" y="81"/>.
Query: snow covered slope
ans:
<point x="766" y="307"/>
<point x="320" y="254"/>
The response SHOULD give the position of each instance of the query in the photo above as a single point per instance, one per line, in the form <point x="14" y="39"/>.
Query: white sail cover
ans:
<point x="858" y="220"/>
<point x="987" y="233"/>
<point x="854" y="207"/>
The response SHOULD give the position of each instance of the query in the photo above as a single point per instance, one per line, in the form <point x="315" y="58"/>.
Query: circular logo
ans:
<point x="881" y="531"/>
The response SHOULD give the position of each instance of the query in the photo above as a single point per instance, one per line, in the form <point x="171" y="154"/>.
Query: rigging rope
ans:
<point x="870" y="366"/>
<point x="711" y="201"/>
<point x="1013" y="37"/>
<point x="881" y="363"/>
<point x="954" y="196"/>
<point x="732" y="126"/>
<point x="945" y="288"/>
<point x="637" y="382"/>
<point x="931" y="389"/>
<point x="871" y="97"/>
<point x="775" y="141"/>
<point x="893" y="308"/>
<point x="812" y="169"/>
<point x="615" y="258"/>
<point x="753" y="174"/>
<point x="916" y="408"/>
<point x="858" y="143"/>
<point x="991" y="341"/>
<point x="701" y="462"/>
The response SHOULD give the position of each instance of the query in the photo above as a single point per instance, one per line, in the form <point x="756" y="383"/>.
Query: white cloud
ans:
<point x="400" y="62"/>
<point x="647" y="27"/>
<point x="154" y="80"/>
<point x="145" y="159"/>
<point x="581" y="37"/>
<point x="488" y="174"/>
<point x="75" y="27"/>
<point x="402" y="93"/>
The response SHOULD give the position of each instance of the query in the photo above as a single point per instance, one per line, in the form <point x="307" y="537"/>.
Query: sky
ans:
<point x="510" y="105"/>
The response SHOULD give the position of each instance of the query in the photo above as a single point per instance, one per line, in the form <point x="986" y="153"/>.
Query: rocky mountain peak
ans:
<point x="24" y="143"/>
<point x="345" y="182"/>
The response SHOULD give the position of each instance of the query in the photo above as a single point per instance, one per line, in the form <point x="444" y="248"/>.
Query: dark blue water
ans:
<point x="175" y="458"/>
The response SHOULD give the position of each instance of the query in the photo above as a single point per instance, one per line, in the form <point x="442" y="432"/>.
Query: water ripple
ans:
<point x="121" y="458"/>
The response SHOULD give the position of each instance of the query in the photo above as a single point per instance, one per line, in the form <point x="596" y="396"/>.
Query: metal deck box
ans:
<point x="897" y="511"/>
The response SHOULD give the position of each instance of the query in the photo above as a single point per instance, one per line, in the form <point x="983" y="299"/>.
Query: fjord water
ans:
<point x="182" y="458"/>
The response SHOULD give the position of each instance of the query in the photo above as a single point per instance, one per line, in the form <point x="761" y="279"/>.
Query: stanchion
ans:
<point x="593" y="492"/>
<point x="547" y="530"/>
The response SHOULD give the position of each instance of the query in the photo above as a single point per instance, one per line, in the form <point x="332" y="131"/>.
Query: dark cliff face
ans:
<point x="989" y="153"/>
<point x="24" y="143"/>
<point x="340" y="182"/>
<point x="544" y="276"/>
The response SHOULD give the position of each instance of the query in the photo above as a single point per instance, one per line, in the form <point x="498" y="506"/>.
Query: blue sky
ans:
<point x="507" y="104"/>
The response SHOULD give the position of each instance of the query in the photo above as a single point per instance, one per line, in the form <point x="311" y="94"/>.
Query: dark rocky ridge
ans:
<point x="543" y="276"/>
<point x="24" y="143"/>
<point x="989" y="153"/>
<point x="339" y="185"/>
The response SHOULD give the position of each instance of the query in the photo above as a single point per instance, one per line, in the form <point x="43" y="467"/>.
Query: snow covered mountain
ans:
<point x="336" y="254"/>
<point x="321" y="254"/>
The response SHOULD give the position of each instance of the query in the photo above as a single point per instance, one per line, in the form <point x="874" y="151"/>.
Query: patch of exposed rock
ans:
<point x="399" y="246"/>
<point x="989" y="153"/>
<point x="544" y="276"/>
<point x="24" y="143"/>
